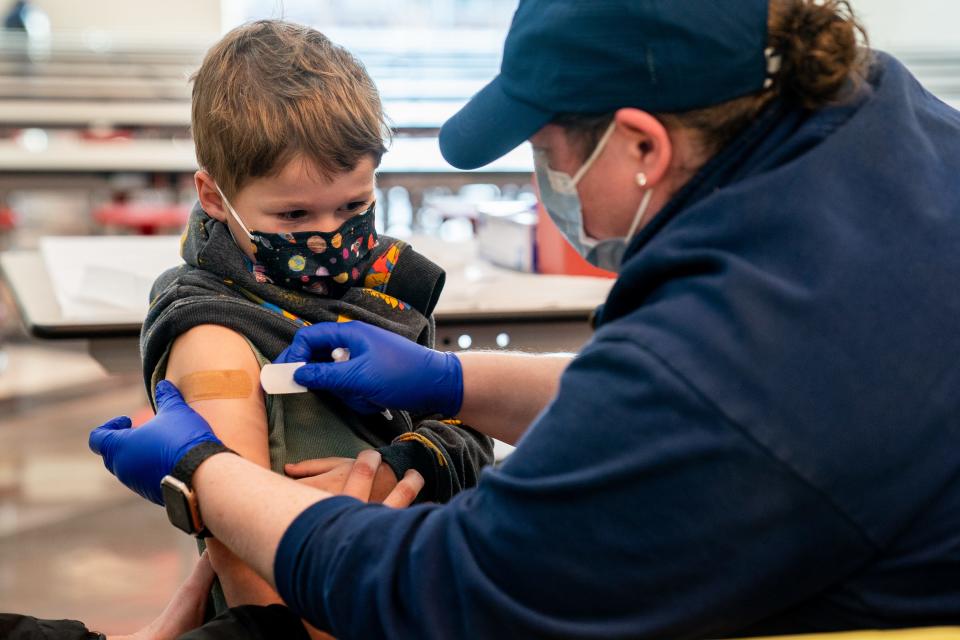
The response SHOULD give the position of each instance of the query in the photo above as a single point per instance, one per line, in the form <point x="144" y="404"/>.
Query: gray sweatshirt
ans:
<point x="216" y="286"/>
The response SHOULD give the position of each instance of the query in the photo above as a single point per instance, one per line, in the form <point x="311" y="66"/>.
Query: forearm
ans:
<point x="504" y="392"/>
<point x="248" y="508"/>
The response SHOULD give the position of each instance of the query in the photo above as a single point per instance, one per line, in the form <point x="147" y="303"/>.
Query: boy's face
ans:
<point x="298" y="198"/>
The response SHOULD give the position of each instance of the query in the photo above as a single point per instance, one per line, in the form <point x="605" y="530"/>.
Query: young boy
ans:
<point x="289" y="131"/>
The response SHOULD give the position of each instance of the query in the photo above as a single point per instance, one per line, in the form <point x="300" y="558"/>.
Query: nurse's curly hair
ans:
<point x="825" y="59"/>
<point x="820" y="43"/>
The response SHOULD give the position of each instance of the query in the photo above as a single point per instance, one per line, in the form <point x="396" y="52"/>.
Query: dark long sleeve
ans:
<point x="19" y="627"/>
<point x="630" y="509"/>
<point x="448" y="454"/>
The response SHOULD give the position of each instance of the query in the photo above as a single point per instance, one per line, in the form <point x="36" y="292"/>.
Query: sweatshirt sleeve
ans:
<point x="448" y="454"/>
<point x="631" y="508"/>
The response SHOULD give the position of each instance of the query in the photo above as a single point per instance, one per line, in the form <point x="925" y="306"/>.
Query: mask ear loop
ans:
<point x="233" y="212"/>
<point x="596" y="153"/>
<point x="644" y="205"/>
<point x="641" y="213"/>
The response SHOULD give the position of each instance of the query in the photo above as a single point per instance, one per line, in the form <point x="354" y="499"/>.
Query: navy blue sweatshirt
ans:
<point x="763" y="435"/>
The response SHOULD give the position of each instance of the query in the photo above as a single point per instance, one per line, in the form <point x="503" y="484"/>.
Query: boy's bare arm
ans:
<point x="219" y="376"/>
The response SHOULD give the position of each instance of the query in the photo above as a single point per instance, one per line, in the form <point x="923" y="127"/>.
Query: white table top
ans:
<point x="475" y="290"/>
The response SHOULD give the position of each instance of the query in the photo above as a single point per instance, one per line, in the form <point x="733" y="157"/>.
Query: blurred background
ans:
<point x="96" y="168"/>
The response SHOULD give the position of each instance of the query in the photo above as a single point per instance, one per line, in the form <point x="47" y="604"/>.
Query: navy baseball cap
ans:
<point x="597" y="56"/>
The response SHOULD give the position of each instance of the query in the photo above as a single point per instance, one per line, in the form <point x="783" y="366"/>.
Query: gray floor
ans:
<point x="74" y="543"/>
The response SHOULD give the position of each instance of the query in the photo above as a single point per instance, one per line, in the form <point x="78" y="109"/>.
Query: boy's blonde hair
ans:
<point x="271" y="90"/>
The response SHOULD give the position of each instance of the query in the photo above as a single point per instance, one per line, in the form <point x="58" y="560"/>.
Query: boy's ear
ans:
<point x="209" y="197"/>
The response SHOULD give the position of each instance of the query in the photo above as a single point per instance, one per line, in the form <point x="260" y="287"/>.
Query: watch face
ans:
<point x="178" y="506"/>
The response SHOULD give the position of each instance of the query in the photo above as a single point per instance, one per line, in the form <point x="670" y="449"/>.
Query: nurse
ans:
<point x="762" y="436"/>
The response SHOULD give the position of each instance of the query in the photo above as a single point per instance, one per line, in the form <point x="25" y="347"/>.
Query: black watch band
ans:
<point x="187" y="465"/>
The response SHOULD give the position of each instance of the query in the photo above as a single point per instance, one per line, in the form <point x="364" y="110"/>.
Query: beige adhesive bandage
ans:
<point x="228" y="384"/>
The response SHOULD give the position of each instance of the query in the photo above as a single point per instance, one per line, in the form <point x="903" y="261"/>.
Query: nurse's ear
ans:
<point x="208" y="195"/>
<point x="650" y="148"/>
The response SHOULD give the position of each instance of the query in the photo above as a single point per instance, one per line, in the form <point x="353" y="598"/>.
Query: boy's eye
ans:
<point x="292" y="215"/>
<point x="354" y="206"/>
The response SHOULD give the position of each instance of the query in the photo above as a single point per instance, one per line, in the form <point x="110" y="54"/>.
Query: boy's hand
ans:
<point x="385" y="371"/>
<point x="186" y="608"/>
<point x="330" y="474"/>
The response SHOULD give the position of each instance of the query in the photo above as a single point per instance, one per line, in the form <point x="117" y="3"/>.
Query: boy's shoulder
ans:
<point x="184" y="281"/>
<point x="398" y="270"/>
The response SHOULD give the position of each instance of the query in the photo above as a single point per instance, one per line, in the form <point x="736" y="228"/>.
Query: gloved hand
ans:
<point x="140" y="457"/>
<point x="385" y="371"/>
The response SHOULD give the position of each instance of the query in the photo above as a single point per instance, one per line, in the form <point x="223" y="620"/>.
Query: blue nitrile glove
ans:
<point x="385" y="371"/>
<point x="141" y="457"/>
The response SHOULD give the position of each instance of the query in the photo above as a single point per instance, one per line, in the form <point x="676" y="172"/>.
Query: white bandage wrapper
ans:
<point x="277" y="379"/>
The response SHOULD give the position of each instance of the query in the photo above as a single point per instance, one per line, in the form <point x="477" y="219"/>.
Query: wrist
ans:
<point x="453" y="374"/>
<point x="207" y="468"/>
<point x="178" y="489"/>
<point x="193" y="458"/>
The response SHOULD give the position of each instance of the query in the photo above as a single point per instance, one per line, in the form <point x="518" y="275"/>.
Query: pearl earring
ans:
<point x="642" y="179"/>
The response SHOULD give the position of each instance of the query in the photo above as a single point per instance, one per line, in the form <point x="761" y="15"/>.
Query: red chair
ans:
<point x="144" y="219"/>
<point x="8" y="223"/>
<point x="8" y="219"/>
<point x="554" y="253"/>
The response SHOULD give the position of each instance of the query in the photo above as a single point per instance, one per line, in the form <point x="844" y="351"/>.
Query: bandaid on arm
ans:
<point x="224" y="384"/>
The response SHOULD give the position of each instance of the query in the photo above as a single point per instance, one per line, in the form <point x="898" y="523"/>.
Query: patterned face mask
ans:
<point x="315" y="261"/>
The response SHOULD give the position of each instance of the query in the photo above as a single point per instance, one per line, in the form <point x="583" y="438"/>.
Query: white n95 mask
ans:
<point x="559" y="196"/>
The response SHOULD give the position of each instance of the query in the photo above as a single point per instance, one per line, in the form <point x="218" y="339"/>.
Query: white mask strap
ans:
<point x="232" y="212"/>
<point x="596" y="152"/>
<point x="641" y="212"/>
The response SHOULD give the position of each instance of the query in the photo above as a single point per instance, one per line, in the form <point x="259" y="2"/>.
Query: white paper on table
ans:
<point x="476" y="286"/>
<point x="99" y="276"/>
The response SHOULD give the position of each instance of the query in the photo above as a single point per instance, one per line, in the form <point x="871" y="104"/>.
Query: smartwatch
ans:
<point x="183" y="509"/>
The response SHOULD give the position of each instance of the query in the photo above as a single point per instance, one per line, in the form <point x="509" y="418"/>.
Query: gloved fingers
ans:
<point x="168" y="396"/>
<point x="286" y="356"/>
<point x="319" y="339"/>
<point x="116" y="424"/>
<point x="360" y="404"/>
<point x="106" y="432"/>
<point x="283" y="357"/>
<point x="329" y="376"/>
